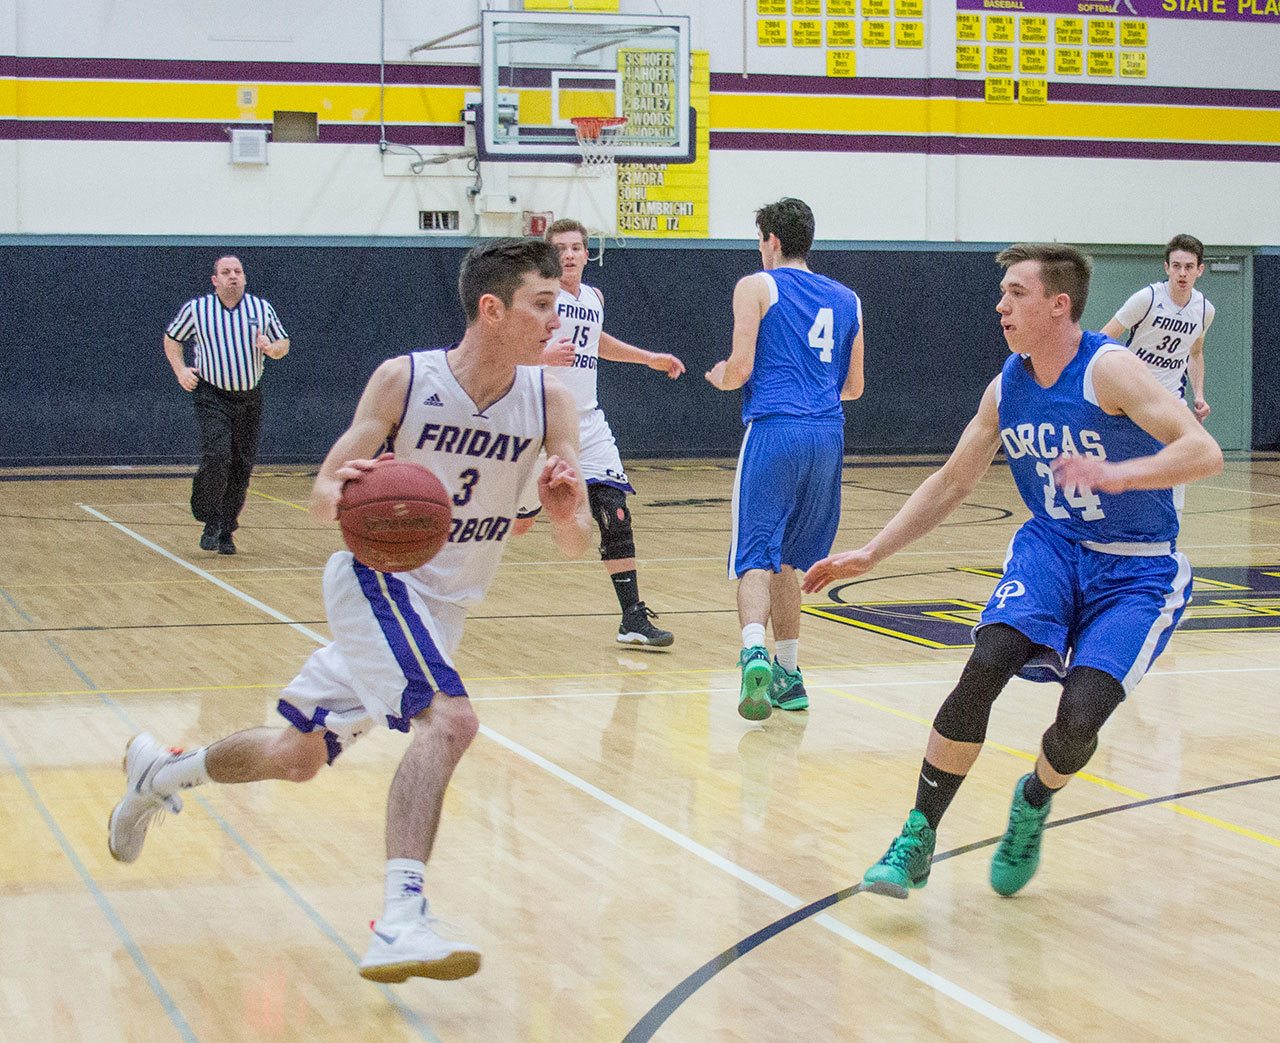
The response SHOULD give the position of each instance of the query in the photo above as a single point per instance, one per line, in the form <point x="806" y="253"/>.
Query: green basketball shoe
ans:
<point x="786" y="690"/>
<point x="905" y="866"/>
<point x="753" y="696"/>
<point x="1018" y="856"/>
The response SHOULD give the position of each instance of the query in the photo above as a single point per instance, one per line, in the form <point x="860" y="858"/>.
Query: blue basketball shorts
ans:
<point x="1114" y="612"/>
<point x="786" y="495"/>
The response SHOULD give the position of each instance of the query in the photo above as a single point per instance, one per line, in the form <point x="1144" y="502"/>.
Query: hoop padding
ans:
<point x="598" y="139"/>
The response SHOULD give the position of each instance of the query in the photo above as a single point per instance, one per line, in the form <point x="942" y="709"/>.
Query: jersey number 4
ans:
<point x="822" y="334"/>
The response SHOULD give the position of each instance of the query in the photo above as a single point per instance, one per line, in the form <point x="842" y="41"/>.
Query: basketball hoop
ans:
<point x="598" y="139"/>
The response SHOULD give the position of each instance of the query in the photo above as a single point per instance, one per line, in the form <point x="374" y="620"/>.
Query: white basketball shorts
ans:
<point x="598" y="460"/>
<point x="391" y="653"/>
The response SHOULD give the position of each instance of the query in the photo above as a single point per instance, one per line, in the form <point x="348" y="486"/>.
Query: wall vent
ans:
<point x="438" y="220"/>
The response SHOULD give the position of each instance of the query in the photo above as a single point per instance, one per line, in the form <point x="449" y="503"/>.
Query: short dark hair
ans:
<point x="565" y="224"/>
<point x="791" y="221"/>
<point x="1063" y="269"/>
<point x="1189" y="243"/>
<point x="499" y="266"/>
<point x="223" y="257"/>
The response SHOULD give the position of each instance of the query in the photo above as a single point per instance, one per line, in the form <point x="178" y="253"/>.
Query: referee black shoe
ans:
<point x="637" y="628"/>
<point x="225" y="544"/>
<point x="209" y="538"/>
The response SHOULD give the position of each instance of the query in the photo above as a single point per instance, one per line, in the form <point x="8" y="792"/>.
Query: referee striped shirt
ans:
<point x="225" y="352"/>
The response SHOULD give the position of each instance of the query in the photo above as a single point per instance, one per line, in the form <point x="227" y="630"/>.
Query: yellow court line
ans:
<point x="660" y="673"/>
<point x="477" y="680"/>
<point x="1097" y="780"/>
<point x="139" y="691"/>
<point x="277" y="499"/>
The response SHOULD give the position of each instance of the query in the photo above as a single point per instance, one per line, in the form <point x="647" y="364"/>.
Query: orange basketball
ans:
<point x="395" y="516"/>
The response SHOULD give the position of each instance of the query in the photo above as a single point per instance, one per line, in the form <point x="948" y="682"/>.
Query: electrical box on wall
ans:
<point x="249" y="147"/>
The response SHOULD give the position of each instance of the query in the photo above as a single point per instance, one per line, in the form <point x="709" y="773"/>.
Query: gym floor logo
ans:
<point x="1225" y="599"/>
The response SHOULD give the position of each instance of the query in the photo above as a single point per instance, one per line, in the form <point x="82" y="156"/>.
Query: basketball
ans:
<point x="395" y="516"/>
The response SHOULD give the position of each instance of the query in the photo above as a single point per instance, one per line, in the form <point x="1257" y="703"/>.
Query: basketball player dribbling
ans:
<point x="390" y="662"/>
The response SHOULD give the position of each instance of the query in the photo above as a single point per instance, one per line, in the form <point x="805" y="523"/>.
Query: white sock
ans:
<point x="752" y="635"/>
<point x="788" y="653"/>
<point x="182" y="772"/>
<point x="403" y="891"/>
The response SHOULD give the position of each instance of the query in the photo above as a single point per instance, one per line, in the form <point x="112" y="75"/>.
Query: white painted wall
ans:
<point x="171" y="189"/>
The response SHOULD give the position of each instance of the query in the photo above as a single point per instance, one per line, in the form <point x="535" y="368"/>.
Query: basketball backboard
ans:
<point x="541" y="69"/>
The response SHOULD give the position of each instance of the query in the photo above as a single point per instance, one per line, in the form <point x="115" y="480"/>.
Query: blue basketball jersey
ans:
<point x="1038" y="424"/>
<point x="802" y="348"/>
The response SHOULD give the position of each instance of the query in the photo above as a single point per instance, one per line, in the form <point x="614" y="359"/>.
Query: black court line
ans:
<point x="94" y="476"/>
<point x="658" y="1014"/>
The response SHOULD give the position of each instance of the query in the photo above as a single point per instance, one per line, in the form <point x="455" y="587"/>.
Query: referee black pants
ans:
<point x="230" y="423"/>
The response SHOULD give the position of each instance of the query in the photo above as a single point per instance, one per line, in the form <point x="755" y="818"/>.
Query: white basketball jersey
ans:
<point x="581" y="320"/>
<point x="483" y="459"/>
<point x="1161" y="333"/>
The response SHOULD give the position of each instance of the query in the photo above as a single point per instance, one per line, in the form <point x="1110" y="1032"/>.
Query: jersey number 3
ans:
<point x="822" y="334"/>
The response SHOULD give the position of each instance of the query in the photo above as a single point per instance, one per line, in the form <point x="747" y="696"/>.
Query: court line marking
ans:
<point x="945" y="986"/>
<point x="180" y="690"/>
<point x="280" y="500"/>
<point x="104" y="905"/>
<point x="327" y="929"/>
<point x="222" y="585"/>
<point x="935" y="981"/>
<point x="1084" y="776"/>
<point x="661" y="1012"/>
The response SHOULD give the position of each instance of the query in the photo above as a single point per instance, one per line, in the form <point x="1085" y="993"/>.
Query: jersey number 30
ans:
<point x="822" y="334"/>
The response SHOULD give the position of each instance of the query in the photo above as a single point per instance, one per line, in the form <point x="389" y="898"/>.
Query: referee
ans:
<point x="232" y="331"/>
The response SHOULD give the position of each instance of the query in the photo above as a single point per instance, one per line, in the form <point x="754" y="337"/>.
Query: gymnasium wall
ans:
<point x="113" y="120"/>
<point x="1266" y="350"/>
<point x="116" y="191"/>
<point x="102" y="392"/>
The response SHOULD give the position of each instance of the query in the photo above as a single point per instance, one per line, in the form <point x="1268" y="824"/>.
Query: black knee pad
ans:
<point x="1065" y="752"/>
<point x="998" y="652"/>
<point x="609" y="508"/>
<point x="1089" y="697"/>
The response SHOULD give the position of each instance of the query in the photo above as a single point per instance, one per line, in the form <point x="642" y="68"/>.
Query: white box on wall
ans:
<point x="249" y="147"/>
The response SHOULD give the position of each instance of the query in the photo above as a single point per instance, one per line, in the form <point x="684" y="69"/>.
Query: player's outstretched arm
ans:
<point x="938" y="495"/>
<point x="750" y="302"/>
<point x="1114" y="329"/>
<point x="1124" y="385"/>
<point x="1130" y="313"/>
<point x="560" y="486"/>
<point x="615" y="350"/>
<point x="377" y="414"/>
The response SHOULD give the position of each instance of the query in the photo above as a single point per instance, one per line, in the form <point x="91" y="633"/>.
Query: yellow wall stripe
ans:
<point x="763" y="113"/>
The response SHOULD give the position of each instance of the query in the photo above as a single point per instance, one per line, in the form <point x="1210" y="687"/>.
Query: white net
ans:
<point x="598" y="140"/>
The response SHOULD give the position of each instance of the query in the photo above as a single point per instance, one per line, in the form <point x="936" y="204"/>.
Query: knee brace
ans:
<point x="1089" y="697"/>
<point x="609" y="508"/>
<point x="998" y="652"/>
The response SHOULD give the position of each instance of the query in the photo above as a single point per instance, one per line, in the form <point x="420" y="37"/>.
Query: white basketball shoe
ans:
<point x="413" y="949"/>
<point x="127" y="828"/>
